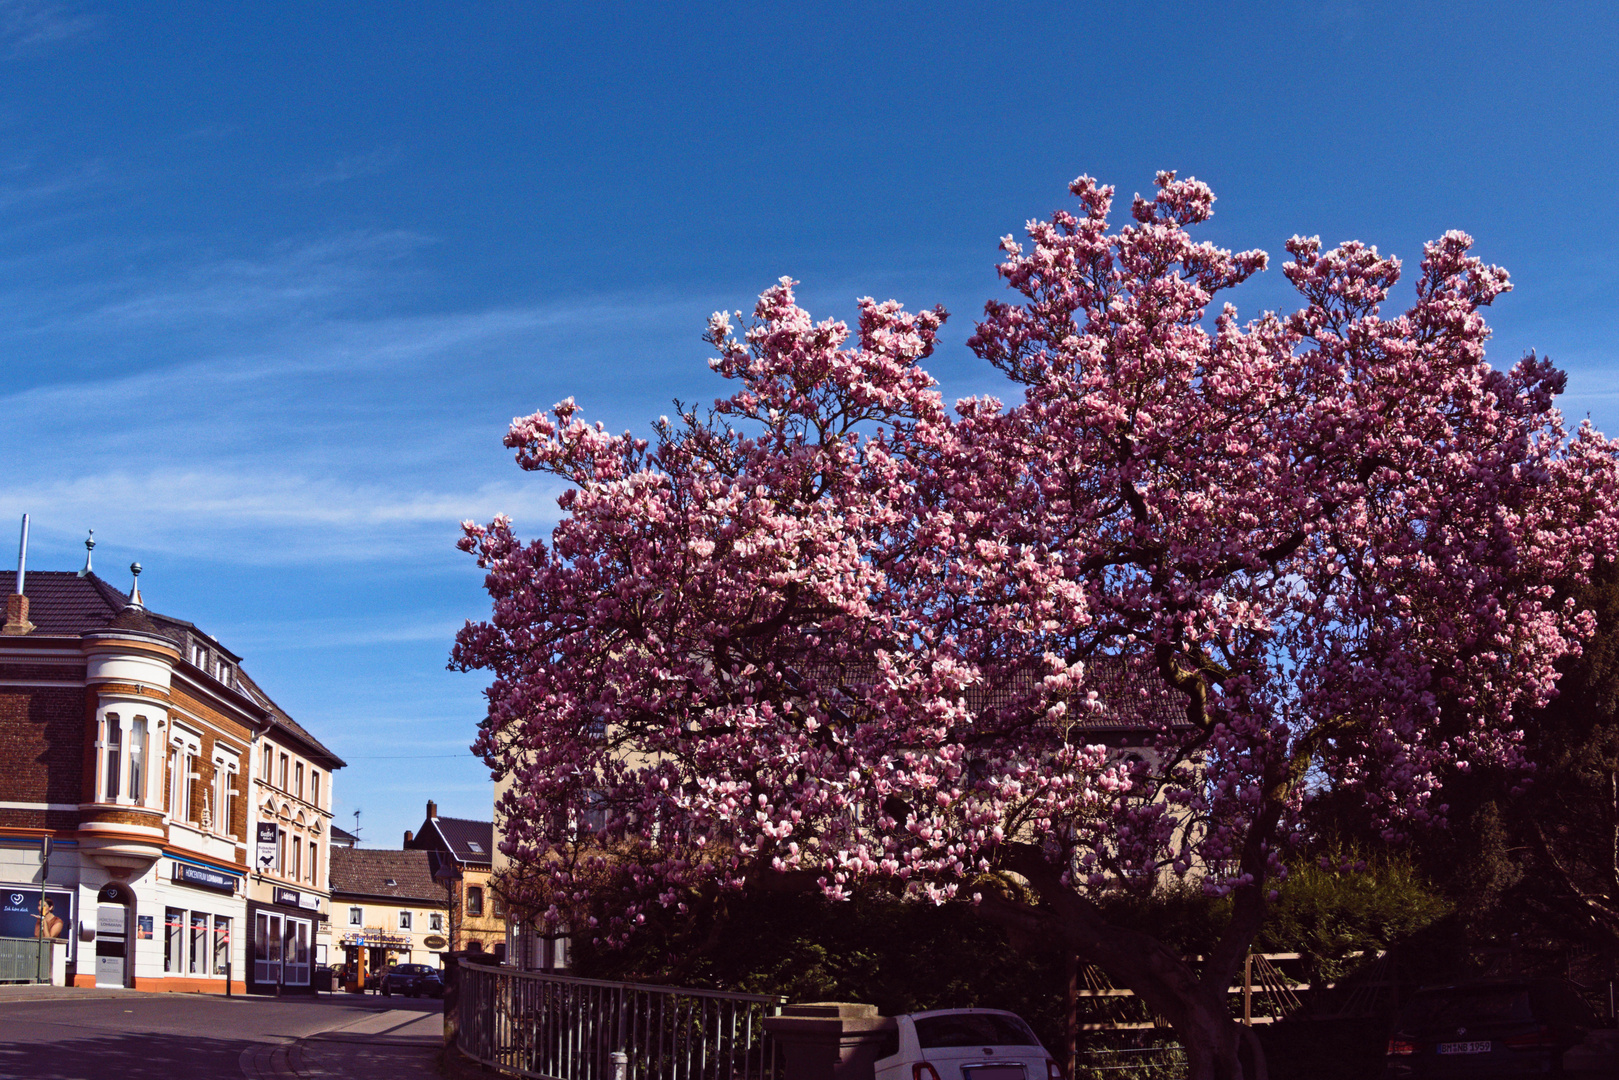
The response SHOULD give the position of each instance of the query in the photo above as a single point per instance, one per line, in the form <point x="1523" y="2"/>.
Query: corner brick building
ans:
<point x="130" y="797"/>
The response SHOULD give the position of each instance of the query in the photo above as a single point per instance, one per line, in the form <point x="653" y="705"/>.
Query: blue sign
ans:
<point x="20" y="914"/>
<point x="204" y="877"/>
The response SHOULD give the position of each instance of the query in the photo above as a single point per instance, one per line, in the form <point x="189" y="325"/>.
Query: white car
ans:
<point x="964" y="1044"/>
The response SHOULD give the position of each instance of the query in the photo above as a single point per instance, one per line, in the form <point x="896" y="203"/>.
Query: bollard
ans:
<point x="621" y="1065"/>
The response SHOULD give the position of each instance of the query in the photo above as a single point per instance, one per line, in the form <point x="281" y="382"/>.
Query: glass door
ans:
<point x="296" y="951"/>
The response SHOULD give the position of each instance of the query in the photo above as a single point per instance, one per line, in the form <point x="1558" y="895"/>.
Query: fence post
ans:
<point x="1248" y="989"/>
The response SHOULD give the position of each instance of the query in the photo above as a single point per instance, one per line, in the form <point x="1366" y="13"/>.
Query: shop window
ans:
<point x="474" y="900"/>
<point x="404" y="920"/>
<point x="356" y="916"/>
<point x="199" y="943"/>
<point x="221" y="944"/>
<point x="174" y="936"/>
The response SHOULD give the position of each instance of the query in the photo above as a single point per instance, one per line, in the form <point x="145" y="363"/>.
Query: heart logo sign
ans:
<point x="16" y="898"/>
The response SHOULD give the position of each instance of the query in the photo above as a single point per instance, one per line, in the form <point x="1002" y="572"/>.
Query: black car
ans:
<point x="412" y="980"/>
<point x="1495" y="1028"/>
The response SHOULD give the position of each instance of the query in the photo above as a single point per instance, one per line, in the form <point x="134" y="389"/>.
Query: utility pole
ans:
<point x="44" y="880"/>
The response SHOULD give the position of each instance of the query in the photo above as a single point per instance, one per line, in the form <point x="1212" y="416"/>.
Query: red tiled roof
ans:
<point x="368" y="871"/>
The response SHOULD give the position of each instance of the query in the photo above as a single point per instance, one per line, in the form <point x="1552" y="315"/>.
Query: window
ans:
<point x="112" y="739"/>
<point x="283" y="782"/>
<point x="314" y="786"/>
<point x="356" y="916"/>
<point x="404" y="920"/>
<point x="314" y="854"/>
<point x="498" y="905"/>
<point x="269" y="764"/>
<point x="475" y="847"/>
<point x="474" y="900"/>
<point x="137" y="760"/>
<point x="297" y="858"/>
<point x="176" y="784"/>
<point x="199" y="943"/>
<point x="280" y="851"/>
<point x="174" y="949"/>
<point x="435" y="921"/>
<point x="221" y="944"/>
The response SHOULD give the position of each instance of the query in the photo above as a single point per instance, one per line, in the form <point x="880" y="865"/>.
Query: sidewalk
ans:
<point x="395" y="1044"/>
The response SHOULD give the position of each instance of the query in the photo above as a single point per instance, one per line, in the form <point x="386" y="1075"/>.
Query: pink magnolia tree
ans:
<point x="829" y="631"/>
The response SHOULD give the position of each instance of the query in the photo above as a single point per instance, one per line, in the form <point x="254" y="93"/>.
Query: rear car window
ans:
<point x="1503" y="1005"/>
<point x="972" y="1029"/>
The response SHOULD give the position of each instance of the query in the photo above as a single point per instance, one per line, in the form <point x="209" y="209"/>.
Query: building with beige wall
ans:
<point x="387" y="908"/>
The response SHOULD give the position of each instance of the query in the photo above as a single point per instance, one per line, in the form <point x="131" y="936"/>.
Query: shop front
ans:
<point x="201" y="912"/>
<point x="370" y="951"/>
<point x="282" y="935"/>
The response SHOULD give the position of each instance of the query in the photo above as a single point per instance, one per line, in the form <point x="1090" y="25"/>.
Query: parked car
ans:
<point x="1496" y="1028"/>
<point x="412" y="980"/>
<point x="963" y="1044"/>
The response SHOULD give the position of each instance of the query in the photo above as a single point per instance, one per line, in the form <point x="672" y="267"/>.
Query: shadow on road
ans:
<point x="123" y="1057"/>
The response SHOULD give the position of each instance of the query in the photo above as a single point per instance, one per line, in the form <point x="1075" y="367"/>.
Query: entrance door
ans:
<point x="112" y="943"/>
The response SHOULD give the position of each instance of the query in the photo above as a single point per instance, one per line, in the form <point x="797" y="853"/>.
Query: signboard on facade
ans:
<point x="267" y="835"/>
<point x="20" y="913"/>
<point x="288" y="897"/>
<point x="143" y="927"/>
<point x="204" y="877"/>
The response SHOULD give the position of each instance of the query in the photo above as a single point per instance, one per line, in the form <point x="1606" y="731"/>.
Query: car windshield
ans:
<point x="1494" y="1005"/>
<point x="972" y="1029"/>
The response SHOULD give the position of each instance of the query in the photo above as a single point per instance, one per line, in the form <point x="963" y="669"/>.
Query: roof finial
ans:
<point x="89" y="546"/>
<point x="135" y="589"/>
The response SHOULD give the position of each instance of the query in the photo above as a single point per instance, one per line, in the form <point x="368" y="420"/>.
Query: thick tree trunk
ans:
<point x="1195" y="1003"/>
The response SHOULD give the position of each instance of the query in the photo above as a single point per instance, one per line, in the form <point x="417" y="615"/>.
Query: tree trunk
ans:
<point x="1196" y="1004"/>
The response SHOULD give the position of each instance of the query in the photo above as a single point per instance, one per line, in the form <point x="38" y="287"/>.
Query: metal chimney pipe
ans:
<point x="22" y="554"/>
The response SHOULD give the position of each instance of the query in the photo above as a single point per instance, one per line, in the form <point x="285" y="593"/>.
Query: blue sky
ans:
<point x="275" y="277"/>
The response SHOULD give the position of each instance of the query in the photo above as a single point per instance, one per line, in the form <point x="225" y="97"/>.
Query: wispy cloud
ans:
<point x="30" y="24"/>
<point x="349" y="168"/>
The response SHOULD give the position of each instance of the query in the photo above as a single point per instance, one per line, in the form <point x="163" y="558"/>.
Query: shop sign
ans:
<point x="267" y="835"/>
<point x="434" y="941"/>
<point x="20" y="913"/>
<point x="288" y="897"/>
<point x="310" y="901"/>
<point x="204" y="877"/>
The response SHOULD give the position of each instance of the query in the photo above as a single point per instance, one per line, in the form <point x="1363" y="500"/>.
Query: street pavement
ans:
<point x="50" y="1033"/>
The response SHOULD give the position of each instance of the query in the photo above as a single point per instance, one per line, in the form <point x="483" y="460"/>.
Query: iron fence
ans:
<point x="21" y="960"/>
<point x="556" y="1027"/>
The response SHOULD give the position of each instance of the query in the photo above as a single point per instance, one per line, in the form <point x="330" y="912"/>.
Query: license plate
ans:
<point x="1465" y="1048"/>
<point x="992" y="1072"/>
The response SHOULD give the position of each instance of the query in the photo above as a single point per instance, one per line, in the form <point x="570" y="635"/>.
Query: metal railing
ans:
<point x="556" y="1027"/>
<point x="21" y="960"/>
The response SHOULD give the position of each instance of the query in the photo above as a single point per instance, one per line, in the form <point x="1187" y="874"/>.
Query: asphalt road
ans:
<point x="113" y="1035"/>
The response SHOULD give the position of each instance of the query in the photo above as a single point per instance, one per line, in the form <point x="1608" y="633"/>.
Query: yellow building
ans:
<point x="461" y="850"/>
<point x="386" y="909"/>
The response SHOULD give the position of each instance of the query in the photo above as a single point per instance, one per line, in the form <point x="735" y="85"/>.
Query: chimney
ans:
<point x="17" y="622"/>
<point x="432" y="809"/>
<point x="409" y="836"/>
